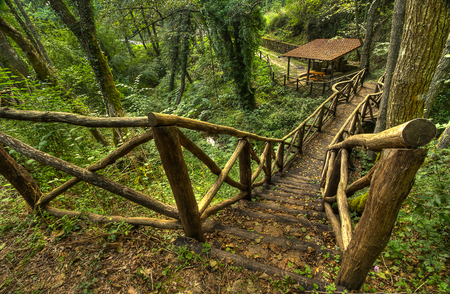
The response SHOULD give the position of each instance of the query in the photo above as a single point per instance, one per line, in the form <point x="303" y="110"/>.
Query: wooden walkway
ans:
<point x="282" y="231"/>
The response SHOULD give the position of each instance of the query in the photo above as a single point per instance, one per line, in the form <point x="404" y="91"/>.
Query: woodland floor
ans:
<point x="88" y="258"/>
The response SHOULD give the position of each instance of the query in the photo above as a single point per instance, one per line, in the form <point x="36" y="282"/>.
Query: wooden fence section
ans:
<point x="390" y="180"/>
<point x="169" y="138"/>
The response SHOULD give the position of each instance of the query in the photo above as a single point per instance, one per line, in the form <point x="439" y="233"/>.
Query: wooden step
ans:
<point x="309" y="214"/>
<point x="314" y="197"/>
<point x="283" y="219"/>
<point x="309" y="204"/>
<point x="294" y="244"/>
<point x="307" y="284"/>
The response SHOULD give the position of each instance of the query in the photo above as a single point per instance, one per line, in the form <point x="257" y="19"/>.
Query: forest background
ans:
<point x="195" y="59"/>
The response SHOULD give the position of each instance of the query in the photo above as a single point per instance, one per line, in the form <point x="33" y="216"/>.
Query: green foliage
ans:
<point x="235" y="27"/>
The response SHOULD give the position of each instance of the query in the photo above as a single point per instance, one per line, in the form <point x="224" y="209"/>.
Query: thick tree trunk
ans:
<point x="365" y="51"/>
<point x="427" y="26"/>
<point x="394" y="49"/>
<point x="33" y="32"/>
<point x="12" y="56"/>
<point x="390" y="186"/>
<point x="440" y="75"/>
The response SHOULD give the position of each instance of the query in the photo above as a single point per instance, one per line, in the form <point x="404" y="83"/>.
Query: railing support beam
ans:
<point x="245" y="170"/>
<point x="168" y="143"/>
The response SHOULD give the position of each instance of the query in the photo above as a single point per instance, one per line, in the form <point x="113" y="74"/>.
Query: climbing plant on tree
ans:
<point x="235" y="27"/>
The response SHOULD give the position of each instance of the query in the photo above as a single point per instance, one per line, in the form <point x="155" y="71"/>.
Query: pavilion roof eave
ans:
<point x="324" y="49"/>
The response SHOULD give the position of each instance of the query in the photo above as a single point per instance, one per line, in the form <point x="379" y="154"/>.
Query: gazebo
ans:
<point x="329" y="50"/>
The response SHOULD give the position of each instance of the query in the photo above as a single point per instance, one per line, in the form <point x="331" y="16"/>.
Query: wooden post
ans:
<point x="245" y="169"/>
<point x="288" y="67"/>
<point x="269" y="163"/>
<point x="273" y="76"/>
<point x="297" y="85"/>
<point x="20" y="178"/>
<point x="309" y="68"/>
<point x="284" y="80"/>
<point x="300" y="139"/>
<point x="320" y="121"/>
<point x="280" y="156"/>
<point x="169" y="148"/>
<point x="390" y="185"/>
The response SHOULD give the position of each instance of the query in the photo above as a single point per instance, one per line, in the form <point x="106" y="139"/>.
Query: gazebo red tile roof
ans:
<point x="324" y="49"/>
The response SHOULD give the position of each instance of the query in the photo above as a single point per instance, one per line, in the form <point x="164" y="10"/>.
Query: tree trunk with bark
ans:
<point x="389" y="187"/>
<point x="394" y="49"/>
<point x="184" y="56"/>
<point x="12" y="57"/>
<point x="84" y="30"/>
<point x="19" y="177"/>
<point x="365" y="51"/>
<point x="33" y="32"/>
<point x="440" y="75"/>
<point x="444" y="139"/>
<point x="427" y="26"/>
<point x="43" y="73"/>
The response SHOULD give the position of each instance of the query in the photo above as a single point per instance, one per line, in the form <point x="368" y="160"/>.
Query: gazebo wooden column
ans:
<point x="289" y="67"/>
<point x="309" y="68"/>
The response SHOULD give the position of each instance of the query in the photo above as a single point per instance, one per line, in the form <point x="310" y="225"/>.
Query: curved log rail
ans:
<point x="390" y="180"/>
<point x="187" y="214"/>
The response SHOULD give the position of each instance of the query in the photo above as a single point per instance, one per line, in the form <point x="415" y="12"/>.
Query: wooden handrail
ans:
<point x="159" y="119"/>
<point x="89" y="176"/>
<point x="73" y="119"/>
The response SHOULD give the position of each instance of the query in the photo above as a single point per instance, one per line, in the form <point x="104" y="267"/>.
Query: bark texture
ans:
<point x="440" y="75"/>
<point x="426" y="29"/>
<point x="36" y="61"/>
<point x="365" y="51"/>
<point x="415" y="133"/>
<point x="394" y="49"/>
<point x="390" y="186"/>
<point x="33" y="32"/>
<point x="169" y="148"/>
<point x="19" y="177"/>
<point x="12" y="57"/>
<point x="84" y="30"/>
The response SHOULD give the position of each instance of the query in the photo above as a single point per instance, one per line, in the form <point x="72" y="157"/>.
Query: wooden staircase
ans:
<point x="282" y="230"/>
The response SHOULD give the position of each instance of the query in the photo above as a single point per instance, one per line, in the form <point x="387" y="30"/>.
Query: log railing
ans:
<point x="390" y="180"/>
<point x="166" y="131"/>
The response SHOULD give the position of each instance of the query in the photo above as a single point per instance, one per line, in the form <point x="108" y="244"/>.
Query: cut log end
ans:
<point x="152" y="120"/>
<point x="419" y="132"/>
